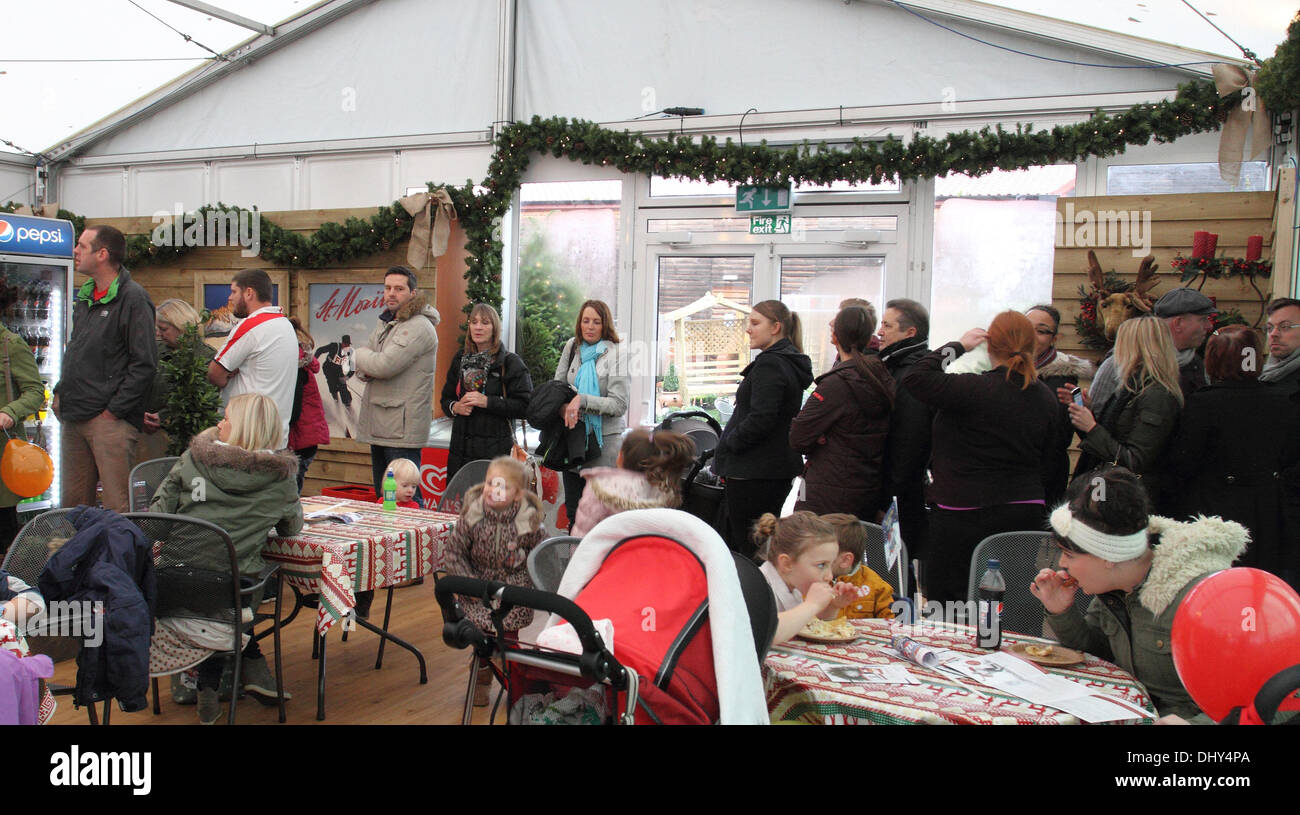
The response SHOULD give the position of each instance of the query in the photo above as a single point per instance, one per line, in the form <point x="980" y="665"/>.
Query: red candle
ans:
<point x="1199" y="241"/>
<point x="1254" y="247"/>
<point x="1211" y="244"/>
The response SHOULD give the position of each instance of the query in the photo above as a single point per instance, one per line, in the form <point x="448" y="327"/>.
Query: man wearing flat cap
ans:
<point x="1190" y="317"/>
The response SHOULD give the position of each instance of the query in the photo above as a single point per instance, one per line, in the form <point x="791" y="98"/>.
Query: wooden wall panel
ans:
<point x="1173" y="220"/>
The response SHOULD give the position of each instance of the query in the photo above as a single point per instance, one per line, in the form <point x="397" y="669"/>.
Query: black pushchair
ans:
<point x="701" y="492"/>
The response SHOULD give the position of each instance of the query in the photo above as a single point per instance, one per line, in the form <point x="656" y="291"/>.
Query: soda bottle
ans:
<point x="390" y="490"/>
<point x="988" y="631"/>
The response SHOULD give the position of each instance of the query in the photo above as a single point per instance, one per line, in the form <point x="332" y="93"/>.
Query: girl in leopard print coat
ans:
<point x="500" y="521"/>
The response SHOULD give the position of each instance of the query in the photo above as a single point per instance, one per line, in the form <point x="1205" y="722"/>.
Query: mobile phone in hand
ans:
<point x="1076" y="394"/>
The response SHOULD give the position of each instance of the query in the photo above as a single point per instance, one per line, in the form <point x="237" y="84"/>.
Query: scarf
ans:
<point x="588" y="382"/>
<point x="1047" y="356"/>
<point x="1279" y="368"/>
<point x="474" y="370"/>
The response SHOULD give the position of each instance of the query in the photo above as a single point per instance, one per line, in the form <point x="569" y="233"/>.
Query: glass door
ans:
<point x="703" y="303"/>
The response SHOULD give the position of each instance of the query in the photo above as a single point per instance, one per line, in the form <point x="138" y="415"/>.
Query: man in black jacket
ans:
<point x="904" y="333"/>
<point x="108" y="369"/>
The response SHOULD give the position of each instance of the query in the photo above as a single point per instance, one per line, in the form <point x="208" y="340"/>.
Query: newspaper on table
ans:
<point x="927" y="656"/>
<point x="1015" y="676"/>
<point x="334" y="514"/>
<point x="869" y="674"/>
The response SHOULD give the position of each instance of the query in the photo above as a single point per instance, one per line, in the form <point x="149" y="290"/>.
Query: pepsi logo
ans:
<point x="6" y="231"/>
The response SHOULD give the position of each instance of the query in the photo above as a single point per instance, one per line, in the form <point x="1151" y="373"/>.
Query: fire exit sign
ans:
<point x="753" y="198"/>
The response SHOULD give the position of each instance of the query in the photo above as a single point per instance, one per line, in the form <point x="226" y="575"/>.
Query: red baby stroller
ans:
<point x="691" y="624"/>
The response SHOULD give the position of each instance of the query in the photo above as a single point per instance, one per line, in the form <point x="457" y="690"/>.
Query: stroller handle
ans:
<point x="595" y="661"/>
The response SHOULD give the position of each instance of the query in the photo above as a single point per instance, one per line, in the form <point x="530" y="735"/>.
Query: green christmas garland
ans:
<point x="1195" y="109"/>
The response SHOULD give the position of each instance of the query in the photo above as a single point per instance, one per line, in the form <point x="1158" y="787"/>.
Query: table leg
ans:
<point x="388" y="611"/>
<point x="364" y="623"/>
<point x="320" y="678"/>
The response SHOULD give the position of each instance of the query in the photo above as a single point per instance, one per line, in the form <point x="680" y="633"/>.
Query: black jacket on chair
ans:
<point x="756" y="441"/>
<point x="108" y="561"/>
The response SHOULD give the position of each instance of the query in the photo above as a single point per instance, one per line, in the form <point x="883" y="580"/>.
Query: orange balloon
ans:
<point x="26" y="469"/>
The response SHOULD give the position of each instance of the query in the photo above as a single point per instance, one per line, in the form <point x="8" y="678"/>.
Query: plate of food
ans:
<point x="838" y="630"/>
<point x="1047" y="653"/>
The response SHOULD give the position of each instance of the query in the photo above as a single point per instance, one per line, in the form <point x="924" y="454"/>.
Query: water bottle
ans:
<point x="988" y="631"/>
<point x="390" y="490"/>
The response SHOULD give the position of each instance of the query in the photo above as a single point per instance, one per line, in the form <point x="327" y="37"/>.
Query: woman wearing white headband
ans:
<point x="1138" y="567"/>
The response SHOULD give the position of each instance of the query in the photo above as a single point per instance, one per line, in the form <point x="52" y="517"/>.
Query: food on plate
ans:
<point x="1039" y="650"/>
<point x="829" y="629"/>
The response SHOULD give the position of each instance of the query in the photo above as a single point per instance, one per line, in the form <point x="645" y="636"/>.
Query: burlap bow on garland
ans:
<point x="1247" y="117"/>
<point x="429" y="234"/>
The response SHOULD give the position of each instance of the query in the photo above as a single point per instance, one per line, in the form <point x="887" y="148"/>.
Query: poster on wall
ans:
<point x="342" y="317"/>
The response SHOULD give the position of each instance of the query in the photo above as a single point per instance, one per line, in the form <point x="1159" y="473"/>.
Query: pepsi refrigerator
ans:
<point x="36" y="258"/>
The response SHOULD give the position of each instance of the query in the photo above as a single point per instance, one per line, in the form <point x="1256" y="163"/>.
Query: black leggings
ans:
<point x="747" y="499"/>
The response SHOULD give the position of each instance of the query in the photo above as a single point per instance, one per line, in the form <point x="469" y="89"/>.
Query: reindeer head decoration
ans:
<point x="1113" y="309"/>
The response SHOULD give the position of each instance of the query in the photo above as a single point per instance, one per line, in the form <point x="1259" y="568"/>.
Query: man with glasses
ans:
<point x="1283" y="335"/>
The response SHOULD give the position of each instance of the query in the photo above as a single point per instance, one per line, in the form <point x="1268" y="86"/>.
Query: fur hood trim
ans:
<point x="1187" y="550"/>
<point x="527" y="519"/>
<point x="208" y="451"/>
<point x="622" y="490"/>
<point x="418" y="305"/>
<point x="1067" y="366"/>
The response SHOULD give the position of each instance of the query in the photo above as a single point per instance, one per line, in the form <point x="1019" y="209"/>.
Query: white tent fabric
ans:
<point x="394" y="68"/>
<point x="607" y="62"/>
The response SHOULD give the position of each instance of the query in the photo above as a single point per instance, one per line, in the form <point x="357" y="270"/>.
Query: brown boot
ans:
<point x="483" y="686"/>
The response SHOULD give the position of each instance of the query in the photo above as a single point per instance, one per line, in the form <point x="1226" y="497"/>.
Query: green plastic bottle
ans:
<point x="390" y="490"/>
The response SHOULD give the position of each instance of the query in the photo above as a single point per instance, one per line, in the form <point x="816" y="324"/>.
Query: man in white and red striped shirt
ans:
<point x="261" y="354"/>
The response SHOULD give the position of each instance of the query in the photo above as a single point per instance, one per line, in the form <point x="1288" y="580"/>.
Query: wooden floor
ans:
<point x="355" y="693"/>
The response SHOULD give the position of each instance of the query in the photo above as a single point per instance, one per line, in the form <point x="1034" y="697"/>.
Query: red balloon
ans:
<point x="1232" y="633"/>
<point x="26" y="469"/>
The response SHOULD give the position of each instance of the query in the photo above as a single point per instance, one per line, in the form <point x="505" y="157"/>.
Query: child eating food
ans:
<point x="875" y="596"/>
<point x="798" y="553"/>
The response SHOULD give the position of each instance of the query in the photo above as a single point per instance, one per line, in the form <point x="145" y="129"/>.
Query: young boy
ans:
<point x="849" y="568"/>
<point x="407" y="476"/>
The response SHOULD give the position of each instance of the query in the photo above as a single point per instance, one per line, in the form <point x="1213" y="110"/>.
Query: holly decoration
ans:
<point x="1196" y="108"/>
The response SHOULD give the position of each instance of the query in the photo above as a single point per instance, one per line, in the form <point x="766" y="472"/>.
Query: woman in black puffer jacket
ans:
<point x="754" y="454"/>
<point x="487" y="387"/>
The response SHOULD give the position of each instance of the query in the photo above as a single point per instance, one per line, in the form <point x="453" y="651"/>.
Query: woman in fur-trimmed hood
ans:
<point x="231" y="478"/>
<point x="1138" y="567"/>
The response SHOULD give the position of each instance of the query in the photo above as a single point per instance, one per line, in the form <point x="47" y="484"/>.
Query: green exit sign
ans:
<point x="752" y="198"/>
<point x="769" y="224"/>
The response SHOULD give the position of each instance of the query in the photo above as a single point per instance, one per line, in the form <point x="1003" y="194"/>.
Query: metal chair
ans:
<point x="32" y="547"/>
<point x="549" y="559"/>
<point x="874" y="556"/>
<point x="473" y="472"/>
<point x="198" y="578"/>
<point x="145" y="479"/>
<point x="1018" y="553"/>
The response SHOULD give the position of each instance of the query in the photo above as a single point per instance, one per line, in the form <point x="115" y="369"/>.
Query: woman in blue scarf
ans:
<point x="592" y="363"/>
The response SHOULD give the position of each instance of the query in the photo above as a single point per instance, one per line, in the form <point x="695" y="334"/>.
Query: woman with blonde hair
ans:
<point x="486" y="388"/>
<point x="1133" y="427"/>
<point x="991" y="453"/>
<point x="248" y="489"/>
<point x="171" y="319"/>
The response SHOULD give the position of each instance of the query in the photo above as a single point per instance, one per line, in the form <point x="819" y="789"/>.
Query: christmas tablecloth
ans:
<point x="797" y="689"/>
<point x="336" y="560"/>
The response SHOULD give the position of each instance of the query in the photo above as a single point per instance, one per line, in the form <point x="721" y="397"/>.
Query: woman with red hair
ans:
<point x="1237" y="440"/>
<point x="992" y="449"/>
